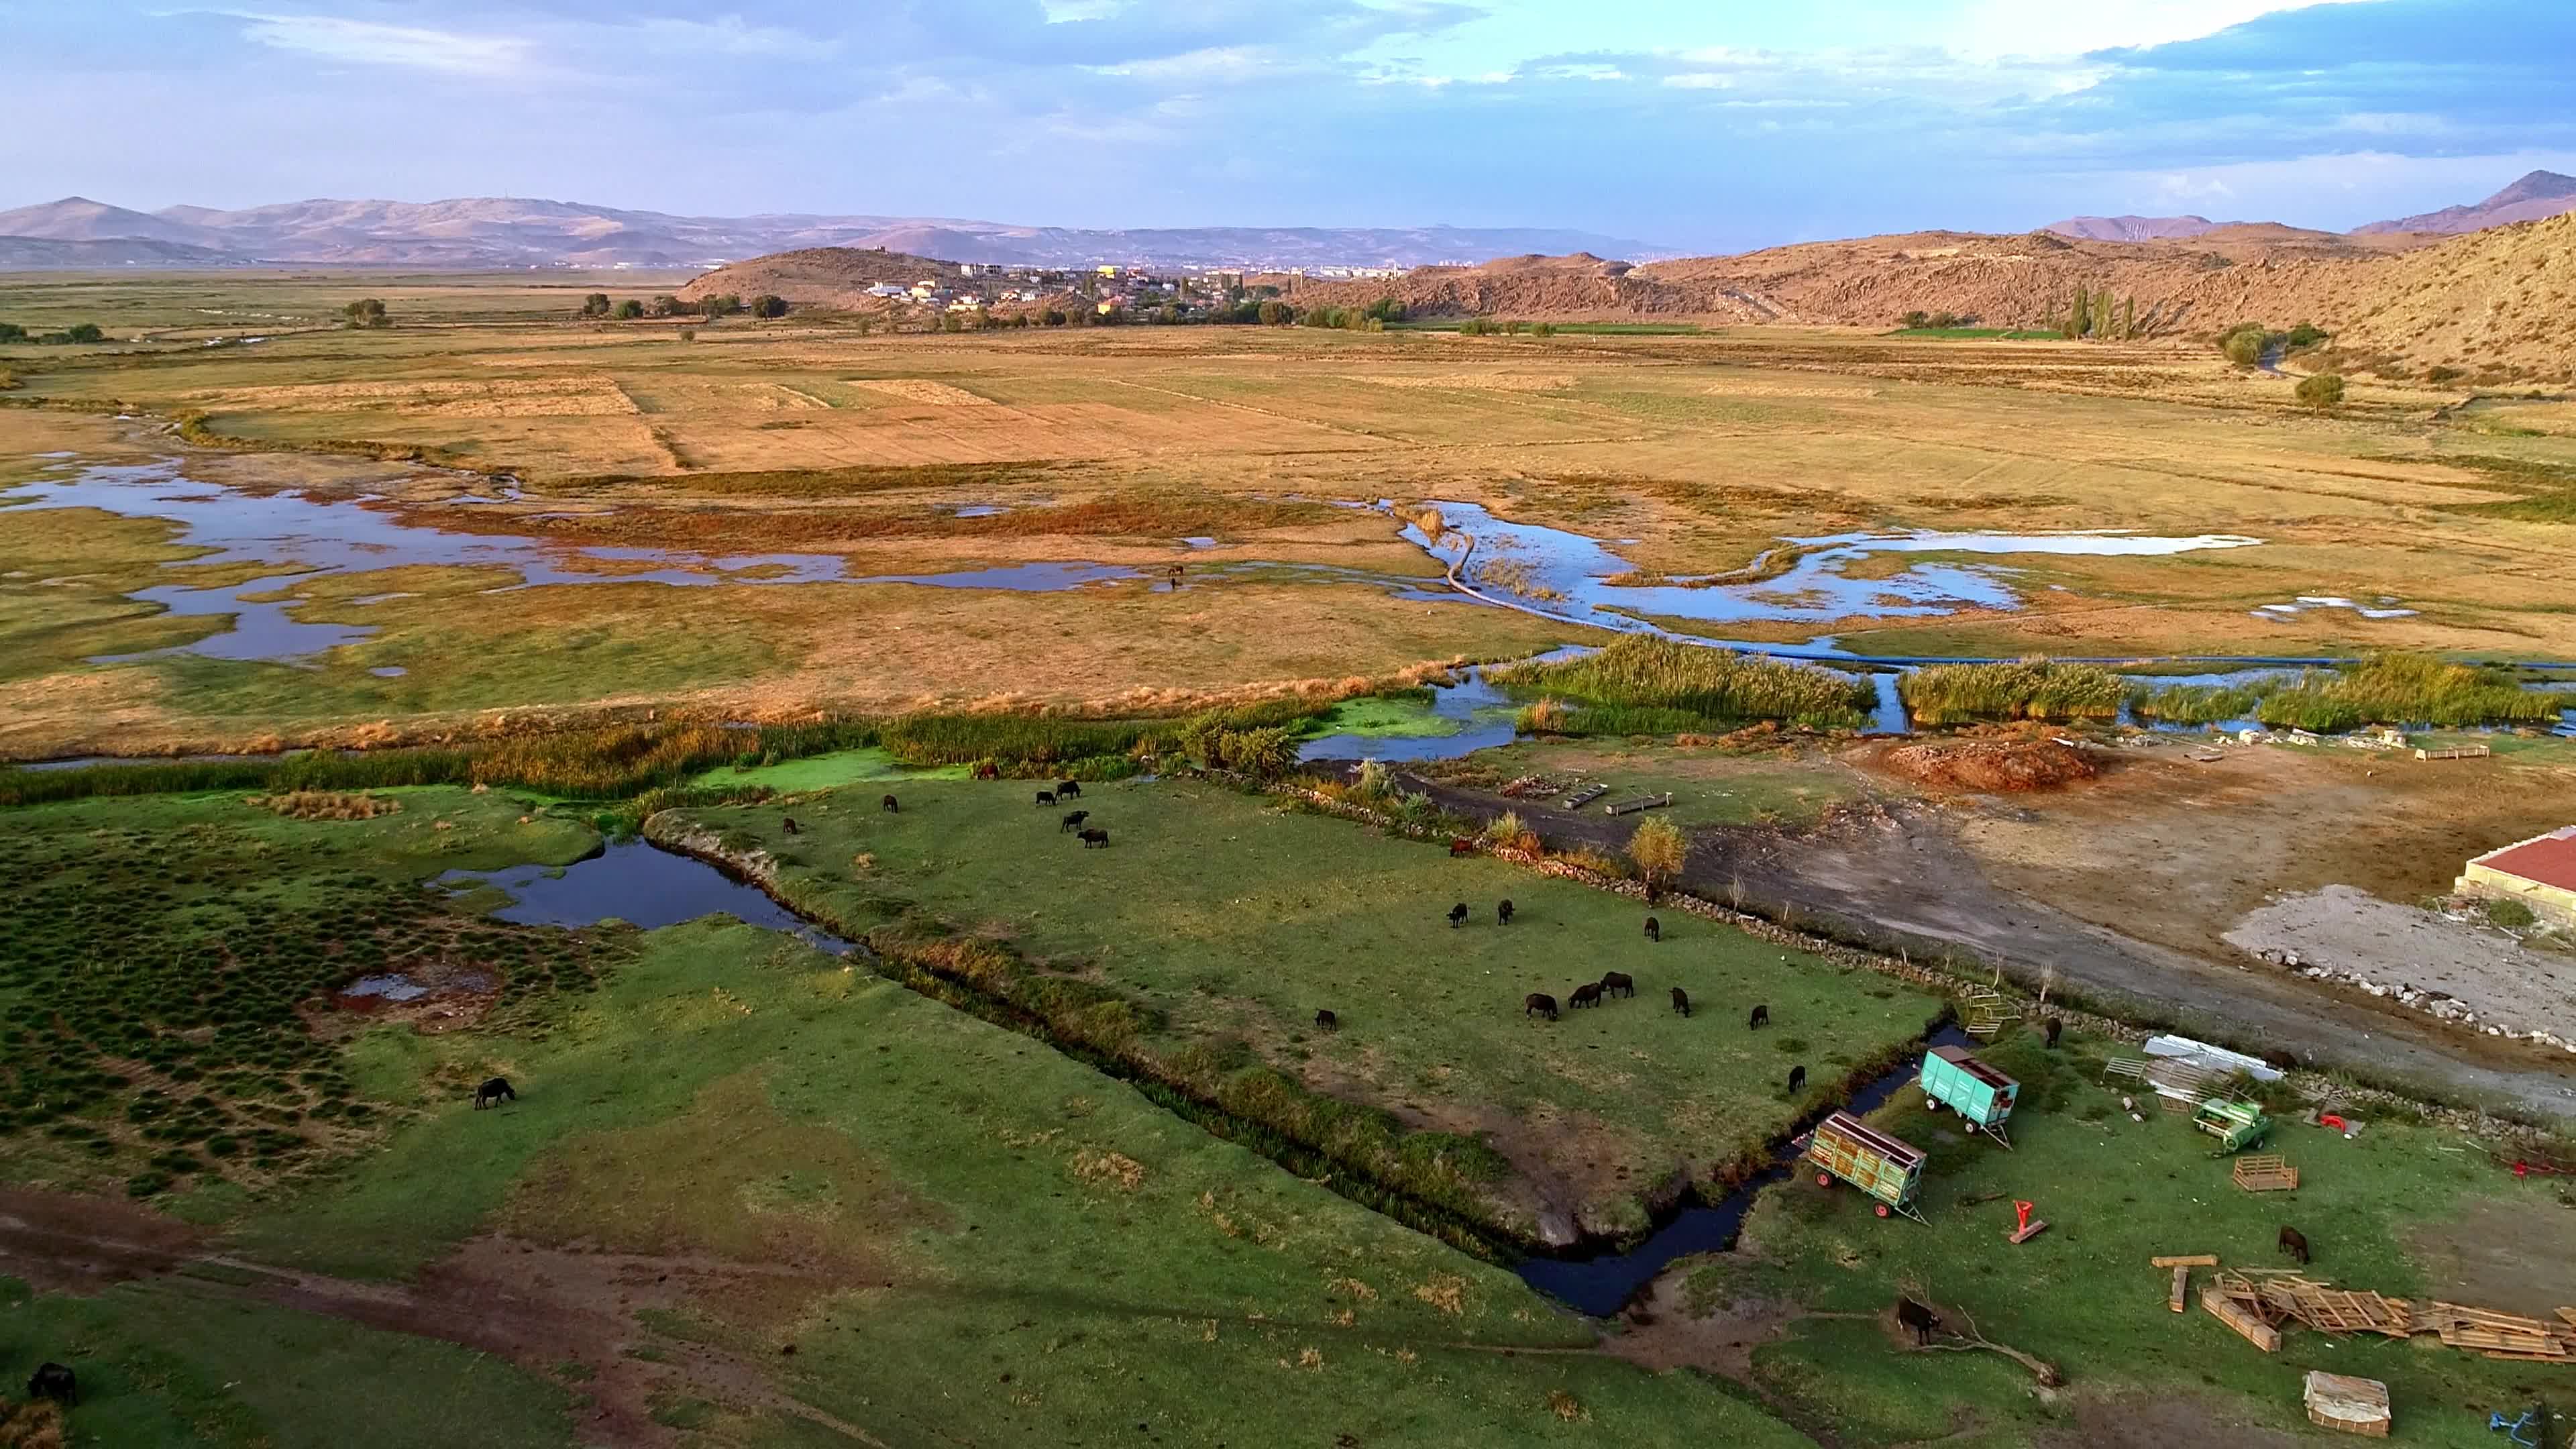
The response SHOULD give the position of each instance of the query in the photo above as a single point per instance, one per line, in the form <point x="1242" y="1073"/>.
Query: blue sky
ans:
<point x="1701" y="124"/>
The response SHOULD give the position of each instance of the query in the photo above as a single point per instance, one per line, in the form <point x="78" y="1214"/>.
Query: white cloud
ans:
<point x="369" y="43"/>
<point x="1991" y="28"/>
<point x="1699" y="80"/>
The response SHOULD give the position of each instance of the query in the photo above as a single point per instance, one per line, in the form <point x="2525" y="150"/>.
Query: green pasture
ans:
<point x="1222" y="923"/>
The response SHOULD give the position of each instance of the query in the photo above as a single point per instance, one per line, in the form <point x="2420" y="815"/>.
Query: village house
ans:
<point x="2539" y="872"/>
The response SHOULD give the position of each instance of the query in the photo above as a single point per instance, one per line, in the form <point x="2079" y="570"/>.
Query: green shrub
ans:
<point x="1653" y="685"/>
<point x="2324" y="390"/>
<point x="2513" y="915"/>
<point x="1948" y="694"/>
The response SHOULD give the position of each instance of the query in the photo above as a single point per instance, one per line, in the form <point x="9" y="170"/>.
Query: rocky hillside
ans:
<point x="2503" y="298"/>
<point x="2131" y="228"/>
<point x="2539" y="194"/>
<point x="836" y="277"/>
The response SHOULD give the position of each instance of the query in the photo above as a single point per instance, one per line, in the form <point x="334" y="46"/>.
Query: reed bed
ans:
<point x="1949" y="694"/>
<point x="2394" y="689"/>
<point x="1645" y="685"/>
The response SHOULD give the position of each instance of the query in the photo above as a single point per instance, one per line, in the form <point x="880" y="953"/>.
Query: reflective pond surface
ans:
<point x="634" y="882"/>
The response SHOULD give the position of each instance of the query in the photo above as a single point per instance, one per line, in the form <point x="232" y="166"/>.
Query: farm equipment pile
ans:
<point x="2264" y="1299"/>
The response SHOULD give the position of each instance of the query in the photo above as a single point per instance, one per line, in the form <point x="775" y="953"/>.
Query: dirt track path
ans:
<point x="537" y="1307"/>
<point x="1900" y="878"/>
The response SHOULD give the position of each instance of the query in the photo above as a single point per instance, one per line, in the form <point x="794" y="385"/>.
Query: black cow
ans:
<point x="1587" y="994"/>
<point x="1046" y="797"/>
<point x="54" y="1381"/>
<point x="2053" y="1025"/>
<point x="1503" y="912"/>
<point x="1068" y="790"/>
<point x="1797" y="1079"/>
<point x="1681" y="1001"/>
<point x="1654" y="929"/>
<point x="2294" y="1243"/>
<point x="493" y="1093"/>
<point x="892" y="805"/>
<point x="1327" y="1021"/>
<point x="1090" y="838"/>
<point x="1922" y="1320"/>
<point x="1458" y="914"/>
<point x="1761" y="1018"/>
<point x="792" y="826"/>
<point x="1618" y="983"/>
<point x="1539" y="1001"/>
<point x="1072" y="821"/>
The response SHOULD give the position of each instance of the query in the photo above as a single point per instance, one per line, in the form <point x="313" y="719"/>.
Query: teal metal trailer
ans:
<point x="1983" y="1097"/>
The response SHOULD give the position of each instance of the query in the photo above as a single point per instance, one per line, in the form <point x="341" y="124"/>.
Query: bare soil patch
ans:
<point x="2493" y="1255"/>
<point x="2013" y="765"/>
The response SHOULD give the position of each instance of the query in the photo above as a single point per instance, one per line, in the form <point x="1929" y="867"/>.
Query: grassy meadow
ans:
<point x="2404" y="1208"/>
<point x="1198" y="946"/>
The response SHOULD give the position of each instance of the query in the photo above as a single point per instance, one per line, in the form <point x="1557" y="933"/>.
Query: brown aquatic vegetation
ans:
<point x="327" y="805"/>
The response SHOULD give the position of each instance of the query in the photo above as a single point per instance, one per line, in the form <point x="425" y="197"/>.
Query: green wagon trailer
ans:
<point x="1983" y="1097"/>
<point x="1887" y="1168"/>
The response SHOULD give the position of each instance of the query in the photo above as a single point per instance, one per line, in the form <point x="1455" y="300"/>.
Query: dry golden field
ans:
<point x="1688" y="454"/>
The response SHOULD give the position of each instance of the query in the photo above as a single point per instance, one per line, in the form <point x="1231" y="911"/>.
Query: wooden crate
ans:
<point x="2340" y="1401"/>
<point x="2266" y="1172"/>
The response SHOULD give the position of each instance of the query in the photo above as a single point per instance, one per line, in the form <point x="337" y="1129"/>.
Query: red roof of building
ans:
<point x="2550" y="860"/>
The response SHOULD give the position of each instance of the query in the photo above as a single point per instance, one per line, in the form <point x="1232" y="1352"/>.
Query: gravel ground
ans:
<point x="2417" y="955"/>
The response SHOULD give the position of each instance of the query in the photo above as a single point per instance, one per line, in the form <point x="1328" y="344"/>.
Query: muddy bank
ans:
<point x="1896" y="878"/>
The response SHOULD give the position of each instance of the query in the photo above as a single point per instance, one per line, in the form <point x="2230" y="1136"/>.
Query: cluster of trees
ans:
<point x="730" y="304"/>
<point x="2098" y="314"/>
<point x="2246" y="343"/>
<point x="1508" y="327"/>
<point x="77" y="332"/>
<point x="367" y="312"/>
<point x="1939" y="321"/>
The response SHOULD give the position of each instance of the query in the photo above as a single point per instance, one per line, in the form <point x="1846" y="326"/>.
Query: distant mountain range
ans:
<point x="2537" y="195"/>
<point x="511" y="232"/>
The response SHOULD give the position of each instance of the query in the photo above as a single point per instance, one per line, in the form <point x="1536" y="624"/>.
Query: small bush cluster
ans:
<point x="327" y="805"/>
<point x="1642" y="684"/>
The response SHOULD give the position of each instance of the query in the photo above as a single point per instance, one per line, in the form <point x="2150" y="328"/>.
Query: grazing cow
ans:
<point x="1681" y="1001"/>
<point x="987" y="770"/>
<point x="1915" y="1316"/>
<point x="54" y="1381"/>
<point x="792" y="826"/>
<point x="1618" y="983"/>
<point x="892" y="805"/>
<point x="1539" y="1001"/>
<point x="1797" y="1078"/>
<point x="1654" y="929"/>
<point x="2280" y="1060"/>
<point x="2053" y="1026"/>
<point x="1072" y="821"/>
<point x="1761" y="1018"/>
<point x="1046" y="797"/>
<point x="493" y="1093"/>
<point x="1090" y="838"/>
<point x="1327" y="1021"/>
<point x="1587" y="994"/>
<point x="2294" y="1243"/>
<point x="1068" y="790"/>
<point x="1460" y="845"/>
<point x="1458" y="914"/>
<point x="1503" y="912"/>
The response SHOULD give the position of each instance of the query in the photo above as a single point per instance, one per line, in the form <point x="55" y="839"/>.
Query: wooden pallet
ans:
<point x="2236" y="1315"/>
<point x="1642" y="802"/>
<point x="2133" y="1068"/>
<point x="1585" y="796"/>
<point x="2266" y="1172"/>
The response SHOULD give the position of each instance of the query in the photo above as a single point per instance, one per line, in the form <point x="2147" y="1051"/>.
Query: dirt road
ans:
<point x="1896" y="876"/>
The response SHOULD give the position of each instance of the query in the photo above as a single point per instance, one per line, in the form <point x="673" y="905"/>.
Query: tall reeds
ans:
<point x="1949" y="694"/>
<point x="2394" y="689"/>
<point x="1646" y="685"/>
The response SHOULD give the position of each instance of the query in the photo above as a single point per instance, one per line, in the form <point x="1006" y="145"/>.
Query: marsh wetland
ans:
<point x="660" y="724"/>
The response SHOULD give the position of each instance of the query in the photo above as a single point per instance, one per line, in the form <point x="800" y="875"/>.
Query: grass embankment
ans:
<point x="1949" y="694"/>
<point x="2405" y="1209"/>
<point x="2398" y="689"/>
<point x="1435" y="1084"/>
<point x="990" y="1242"/>
<point x="1735" y="783"/>
<point x="160" y="957"/>
<point x="1644" y="685"/>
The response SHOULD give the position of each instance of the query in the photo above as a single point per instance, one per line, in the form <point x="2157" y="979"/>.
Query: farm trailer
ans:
<point x="1887" y="1168"/>
<point x="1983" y="1097"/>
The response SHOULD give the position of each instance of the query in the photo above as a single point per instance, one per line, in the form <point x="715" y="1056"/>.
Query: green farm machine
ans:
<point x="2236" y="1125"/>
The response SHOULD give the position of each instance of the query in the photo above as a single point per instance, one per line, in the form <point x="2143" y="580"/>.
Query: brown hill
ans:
<point x="2539" y="194"/>
<point x="2131" y="228"/>
<point x="836" y="277"/>
<point x="2498" y="298"/>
